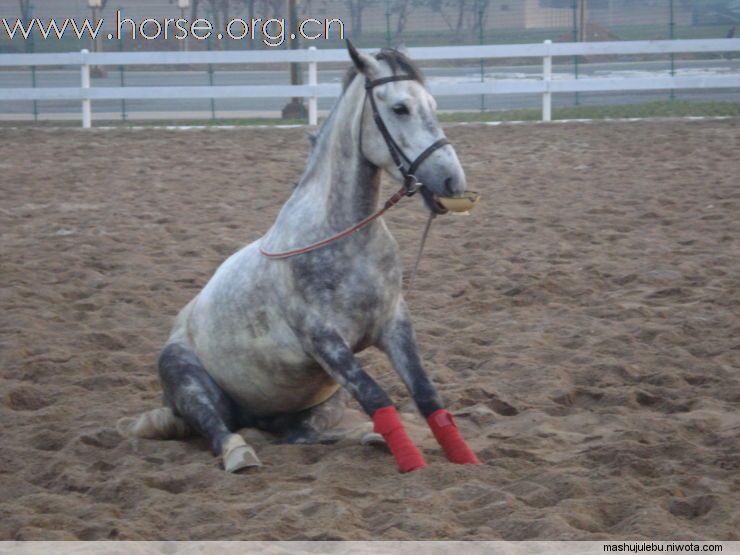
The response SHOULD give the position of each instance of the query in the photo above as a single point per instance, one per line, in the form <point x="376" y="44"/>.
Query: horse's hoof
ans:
<point x="239" y="458"/>
<point x="158" y="423"/>
<point x="125" y="426"/>
<point x="371" y="438"/>
<point x="237" y="455"/>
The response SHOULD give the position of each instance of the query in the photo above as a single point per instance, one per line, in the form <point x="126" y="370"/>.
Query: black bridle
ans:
<point x="410" y="183"/>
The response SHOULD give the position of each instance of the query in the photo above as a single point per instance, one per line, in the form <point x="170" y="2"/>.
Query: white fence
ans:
<point x="313" y="90"/>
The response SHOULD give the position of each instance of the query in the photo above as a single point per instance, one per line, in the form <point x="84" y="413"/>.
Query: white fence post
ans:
<point x="86" y="105"/>
<point x="547" y="78"/>
<point x="313" y="101"/>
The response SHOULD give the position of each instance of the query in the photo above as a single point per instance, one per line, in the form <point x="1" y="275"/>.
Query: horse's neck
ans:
<point x="339" y="186"/>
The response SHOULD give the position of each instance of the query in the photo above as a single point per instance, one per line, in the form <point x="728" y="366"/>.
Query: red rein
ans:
<point x="390" y="203"/>
<point x="387" y="423"/>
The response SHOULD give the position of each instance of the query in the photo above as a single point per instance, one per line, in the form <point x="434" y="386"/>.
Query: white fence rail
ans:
<point x="545" y="86"/>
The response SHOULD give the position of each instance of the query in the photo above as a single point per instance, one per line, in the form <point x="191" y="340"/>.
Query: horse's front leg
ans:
<point x="399" y="343"/>
<point x="334" y="355"/>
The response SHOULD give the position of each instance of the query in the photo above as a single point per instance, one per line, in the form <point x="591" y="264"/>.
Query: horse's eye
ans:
<point x="401" y="109"/>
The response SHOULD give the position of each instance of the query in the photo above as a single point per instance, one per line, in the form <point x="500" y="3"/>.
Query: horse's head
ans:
<point x="401" y="103"/>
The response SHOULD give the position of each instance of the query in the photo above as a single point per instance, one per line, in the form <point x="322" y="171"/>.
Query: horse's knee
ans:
<point x="337" y="359"/>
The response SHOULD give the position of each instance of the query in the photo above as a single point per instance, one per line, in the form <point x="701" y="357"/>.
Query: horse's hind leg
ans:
<point x="194" y="396"/>
<point x="159" y="423"/>
<point x="313" y="425"/>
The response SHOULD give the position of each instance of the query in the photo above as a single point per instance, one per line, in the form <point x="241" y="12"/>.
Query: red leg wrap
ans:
<point x="448" y="436"/>
<point x="387" y="423"/>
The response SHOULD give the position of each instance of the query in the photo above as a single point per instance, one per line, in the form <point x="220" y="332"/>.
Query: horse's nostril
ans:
<point x="449" y="186"/>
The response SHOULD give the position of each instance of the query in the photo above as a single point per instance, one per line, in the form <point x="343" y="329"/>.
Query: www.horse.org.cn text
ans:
<point x="271" y="32"/>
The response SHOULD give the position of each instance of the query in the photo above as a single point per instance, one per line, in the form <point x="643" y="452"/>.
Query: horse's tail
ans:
<point x="159" y="423"/>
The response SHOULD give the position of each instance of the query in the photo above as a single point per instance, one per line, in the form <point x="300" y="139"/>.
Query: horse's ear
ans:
<point x="364" y="63"/>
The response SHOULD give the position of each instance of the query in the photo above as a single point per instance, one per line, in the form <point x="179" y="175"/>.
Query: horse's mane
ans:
<point x="398" y="62"/>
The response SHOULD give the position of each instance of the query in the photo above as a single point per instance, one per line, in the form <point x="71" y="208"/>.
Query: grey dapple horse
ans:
<point x="270" y="340"/>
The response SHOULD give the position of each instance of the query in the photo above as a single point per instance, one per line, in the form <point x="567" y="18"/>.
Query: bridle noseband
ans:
<point x="408" y="171"/>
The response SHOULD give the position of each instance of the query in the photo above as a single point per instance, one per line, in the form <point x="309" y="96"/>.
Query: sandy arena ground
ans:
<point x="583" y="323"/>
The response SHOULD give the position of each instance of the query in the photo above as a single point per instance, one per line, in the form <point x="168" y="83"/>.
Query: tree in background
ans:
<point x="275" y="8"/>
<point x="260" y="8"/>
<point x="438" y="7"/>
<point x="356" y="7"/>
<point x="25" y="6"/>
<point x="194" y="5"/>
<point x="403" y="9"/>
<point x="466" y="15"/>
<point x="462" y="7"/>
<point x="480" y="14"/>
<point x="220" y="12"/>
<point x="26" y="13"/>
